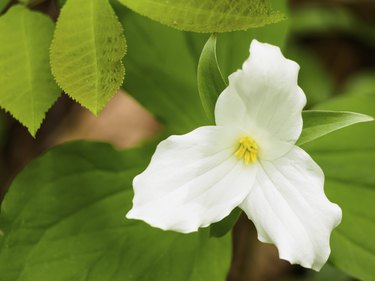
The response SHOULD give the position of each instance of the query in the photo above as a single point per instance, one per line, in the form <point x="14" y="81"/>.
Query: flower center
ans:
<point x="247" y="150"/>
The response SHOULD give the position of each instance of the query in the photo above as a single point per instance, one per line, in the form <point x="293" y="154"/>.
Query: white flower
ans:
<point x="249" y="159"/>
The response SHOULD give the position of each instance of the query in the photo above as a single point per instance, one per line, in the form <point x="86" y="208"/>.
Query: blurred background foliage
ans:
<point x="334" y="43"/>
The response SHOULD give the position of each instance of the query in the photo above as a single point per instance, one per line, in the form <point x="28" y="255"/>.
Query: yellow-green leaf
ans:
<point x="207" y="16"/>
<point x="27" y="88"/>
<point x="87" y="52"/>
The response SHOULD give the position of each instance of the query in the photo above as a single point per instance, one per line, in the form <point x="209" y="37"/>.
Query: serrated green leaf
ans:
<point x="317" y="123"/>
<point x="347" y="158"/>
<point x="27" y="88"/>
<point x="207" y="16"/>
<point x="87" y="52"/>
<point x="210" y="81"/>
<point x="63" y="219"/>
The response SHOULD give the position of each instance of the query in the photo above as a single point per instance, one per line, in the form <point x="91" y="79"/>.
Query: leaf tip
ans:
<point x="95" y="112"/>
<point x="33" y="132"/>
<point x="365" y="117"/>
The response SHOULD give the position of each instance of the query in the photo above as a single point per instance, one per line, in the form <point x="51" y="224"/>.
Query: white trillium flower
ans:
<point x="248" y="160"/>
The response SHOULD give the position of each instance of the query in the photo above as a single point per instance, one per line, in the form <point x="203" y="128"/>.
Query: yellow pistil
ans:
<point x="247" y="150"/>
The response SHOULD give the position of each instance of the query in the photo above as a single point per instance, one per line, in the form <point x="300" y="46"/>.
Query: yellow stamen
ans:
<point x="247" y="150"/>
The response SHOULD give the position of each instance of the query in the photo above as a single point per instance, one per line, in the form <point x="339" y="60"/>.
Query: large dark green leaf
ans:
<point x="313" y="77"/>
<point x="161" y="70"/>
<point x="347" y="158"/>
<point x="361" y="84"/>
<point x="64" y="219"/>
<point x="320" y="19"/>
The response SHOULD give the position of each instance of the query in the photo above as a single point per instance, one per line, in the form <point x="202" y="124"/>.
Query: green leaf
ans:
<point x="210" y="80"/>
<point x="347" y="158"/>
<point x="221" y="228"/>
<point x="313" y="77"/>
<point x="63" y="219"/>
<point x="317" y="123"/>
<point x="207" y="16"/>
<point x="322" y="18"/>
<point x="27" y="88"/>
<point x="3" y="4"/>
<point x="162" y="74"/>
<point x="361" y="84"/>
<point x="87" y="52"/>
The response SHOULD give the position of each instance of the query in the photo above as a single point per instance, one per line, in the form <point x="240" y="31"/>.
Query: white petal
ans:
<point x="289" y="209"/>
<point x="264" y="100"/>
<point x="192" y="181"/>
